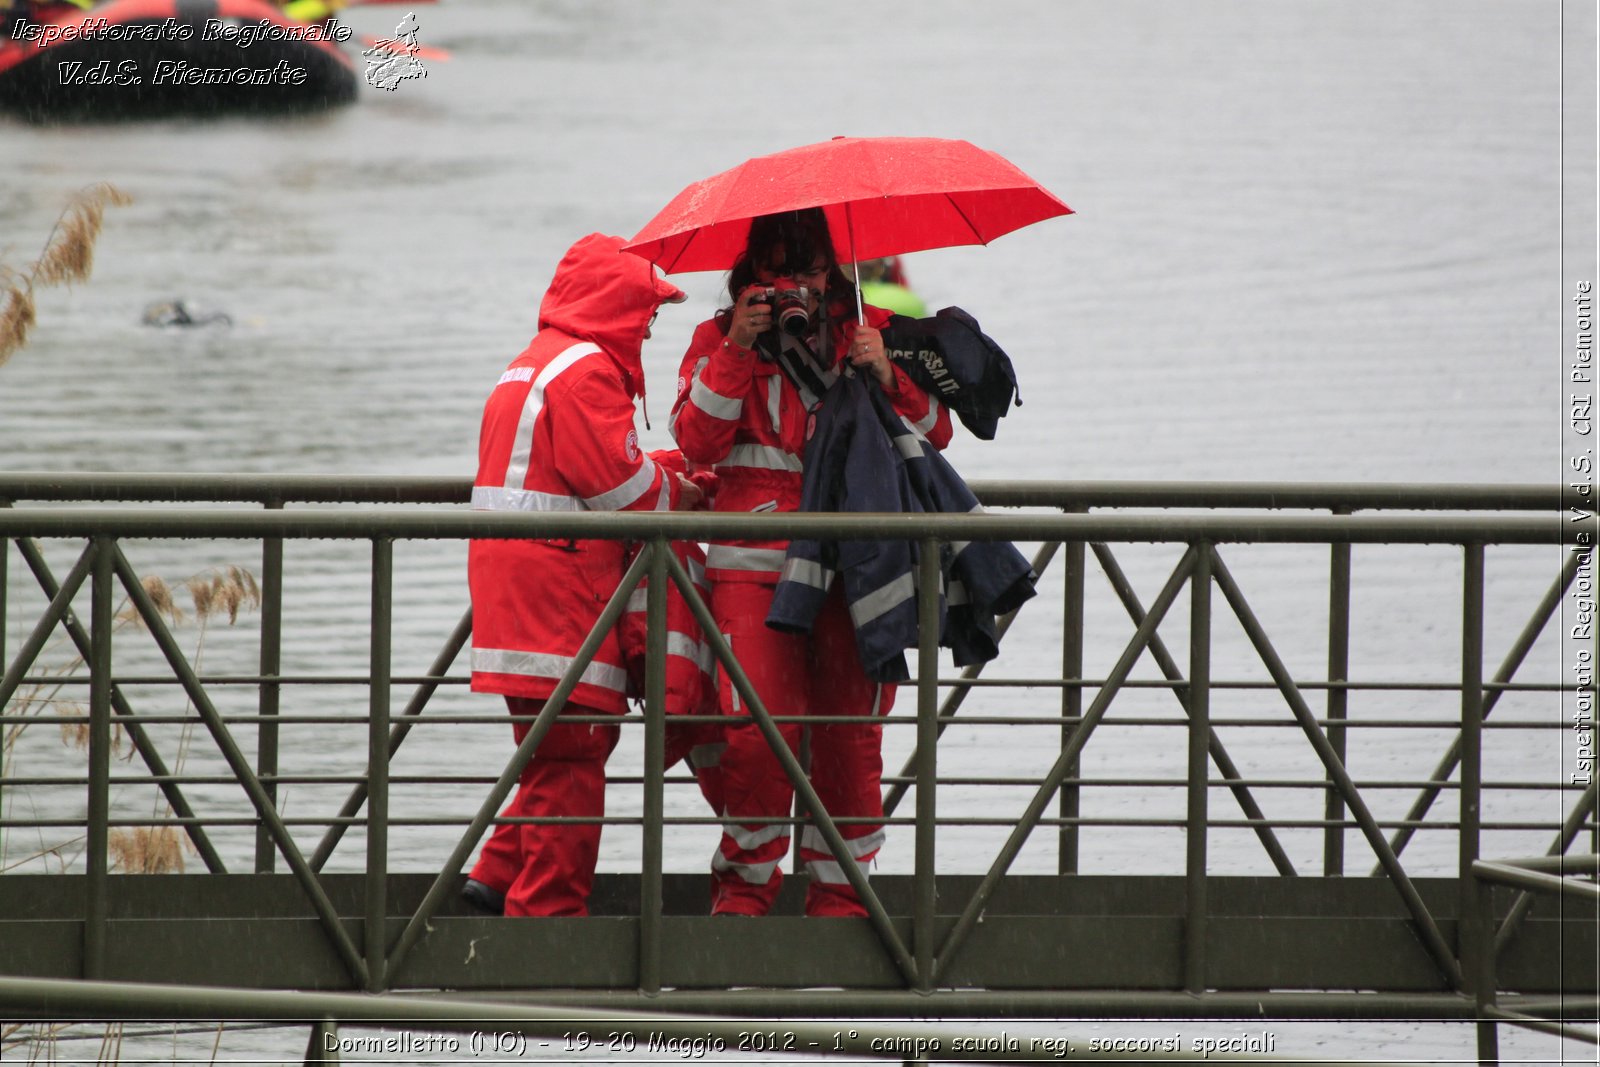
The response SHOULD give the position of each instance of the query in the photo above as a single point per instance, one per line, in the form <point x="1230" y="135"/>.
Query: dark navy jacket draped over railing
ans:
<point x="863" y="457"/>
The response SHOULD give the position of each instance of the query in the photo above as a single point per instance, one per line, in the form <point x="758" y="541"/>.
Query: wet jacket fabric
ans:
<point x="558" y="435"/>
<point x="866" y="457"/>
<point x="950" y="356"/>
<point x="744" y="415"/>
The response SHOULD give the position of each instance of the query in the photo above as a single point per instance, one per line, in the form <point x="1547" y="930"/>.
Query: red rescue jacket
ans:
<point x="745" y="417"/>
<point x="558" y="435"/>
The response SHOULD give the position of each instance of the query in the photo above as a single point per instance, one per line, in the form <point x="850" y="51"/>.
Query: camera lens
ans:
<point x="789" y="304"/>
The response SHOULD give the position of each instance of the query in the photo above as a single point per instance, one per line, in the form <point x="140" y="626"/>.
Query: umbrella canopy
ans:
<point x="883" y="196"/>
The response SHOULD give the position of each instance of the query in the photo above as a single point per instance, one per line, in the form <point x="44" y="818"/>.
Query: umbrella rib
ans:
<point x="966" y="219"/>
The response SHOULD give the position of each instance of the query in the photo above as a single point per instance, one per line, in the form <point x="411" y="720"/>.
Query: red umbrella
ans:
<point x="883" y="196"/>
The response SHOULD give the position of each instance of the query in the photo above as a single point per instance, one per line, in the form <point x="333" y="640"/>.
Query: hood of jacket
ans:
<point x="605" y="295"/>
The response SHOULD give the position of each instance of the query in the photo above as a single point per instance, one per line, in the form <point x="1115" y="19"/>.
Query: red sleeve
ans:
<point x="597" y="448"/>
<point x="713" y="382"/>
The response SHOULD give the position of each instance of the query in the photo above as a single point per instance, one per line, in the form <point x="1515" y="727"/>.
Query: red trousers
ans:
<point x="795" y="674"/>
<point x="549" y="870"/>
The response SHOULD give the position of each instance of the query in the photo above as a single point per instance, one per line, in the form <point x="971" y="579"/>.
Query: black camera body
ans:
<point x="790" y="304"/>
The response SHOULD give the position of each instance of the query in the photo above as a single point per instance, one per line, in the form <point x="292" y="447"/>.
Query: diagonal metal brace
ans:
<point x="128" y="720"/>
<point x="1219" y="755"/>
<point x="413" y="710"/>
<point x="553" y="706"/>
<point x="876" y="913"/>
<point x="1064" y="763"/>
<point x="337" y="935"/>
<point x="1432" y="939"/>
<point x="1491" y="696"/>
<point x="959" y="694"/>
<point x="59" y="608"/>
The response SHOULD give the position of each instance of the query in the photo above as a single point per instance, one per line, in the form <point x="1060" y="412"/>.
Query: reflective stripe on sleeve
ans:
<point x="713" y="403"/>
<point x="504" y="498"/>
<point x="807" y="572"/>
<point x="626" y="493"/>
<point x="926" y="424"/>
<point x="883" y="599"/>
<point x="547" y="665"/>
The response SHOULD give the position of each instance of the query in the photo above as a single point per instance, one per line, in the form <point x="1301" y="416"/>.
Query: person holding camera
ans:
<point x="558" y="435"/>
<point x="751" y="377"/>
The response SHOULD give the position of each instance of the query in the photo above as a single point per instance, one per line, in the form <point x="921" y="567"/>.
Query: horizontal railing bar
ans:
<point x="401" y="489"/>
<point x="1163" y="683"/>
<point x="943" y="683"/>
<point x="1588" y="863"/>
<point x="47" y="998"/>
<point x="146" y="523"/>
<point x="990" y="782"/>
<point x="887" y="720"/>
<point x="1523" y="878"/>
<point x="708" y="820"/>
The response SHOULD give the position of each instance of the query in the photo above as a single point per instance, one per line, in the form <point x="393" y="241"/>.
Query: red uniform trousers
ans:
<point x="795" y="674"/>
<point x="549" y="869"/>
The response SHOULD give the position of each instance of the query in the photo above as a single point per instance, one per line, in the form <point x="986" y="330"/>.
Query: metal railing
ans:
<point x="924" y="947"/>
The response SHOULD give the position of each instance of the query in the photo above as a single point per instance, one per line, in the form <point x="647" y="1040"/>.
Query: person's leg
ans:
<point x="744" y="870"/>
<point x="565" y="777"/>
<point x="846" y="761"/>
<point x="500" y="858"/>
<point x="700" y="745"/>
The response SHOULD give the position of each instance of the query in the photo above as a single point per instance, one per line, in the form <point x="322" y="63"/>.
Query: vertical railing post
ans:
<point x="5" y="567"/>
<point x="377" y="881"/>
<point x="269" y="693"/>
<point x="1067" y="805"/>
<point x="926" y="898"/>
<point x="1194" y="966"/>
<point x="98" y="830"/>
<point x="655" y="727"/>
<point x="1475" y="947"/>
<point x="1338" y="701"/>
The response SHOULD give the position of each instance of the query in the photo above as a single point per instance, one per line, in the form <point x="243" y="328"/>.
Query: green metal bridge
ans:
<point x="283" y="923"/>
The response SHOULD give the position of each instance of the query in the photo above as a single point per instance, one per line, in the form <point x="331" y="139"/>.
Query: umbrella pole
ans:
<point x="855" y="264"/>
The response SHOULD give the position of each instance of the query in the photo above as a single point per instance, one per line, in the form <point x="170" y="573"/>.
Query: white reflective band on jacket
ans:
<point x="715" y="404"/>
<point x="545" y="665"/>
<point x="761" y="457"/>
<point x="522" y="446"/>
<point x="883" y="599"/>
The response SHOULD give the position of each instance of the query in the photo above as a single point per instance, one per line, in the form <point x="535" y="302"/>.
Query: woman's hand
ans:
<point x="867" y="353"/>
<point x="752" y="315"/>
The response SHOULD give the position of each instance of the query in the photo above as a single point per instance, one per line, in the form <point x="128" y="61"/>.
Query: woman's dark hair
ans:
<point x="803" y="238"/>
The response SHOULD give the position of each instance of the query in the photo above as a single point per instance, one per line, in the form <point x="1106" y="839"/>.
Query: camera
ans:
<point x="790" y="305"/>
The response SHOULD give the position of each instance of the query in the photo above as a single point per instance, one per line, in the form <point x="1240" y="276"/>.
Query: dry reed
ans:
<point x="68" y="258"/>
<point x="146" y="849"/>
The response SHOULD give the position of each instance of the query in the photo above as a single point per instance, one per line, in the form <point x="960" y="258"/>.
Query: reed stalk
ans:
<point x="67" y="259"/>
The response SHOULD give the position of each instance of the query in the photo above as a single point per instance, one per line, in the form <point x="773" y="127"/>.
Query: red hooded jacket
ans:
<point x="558" y="435"/>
